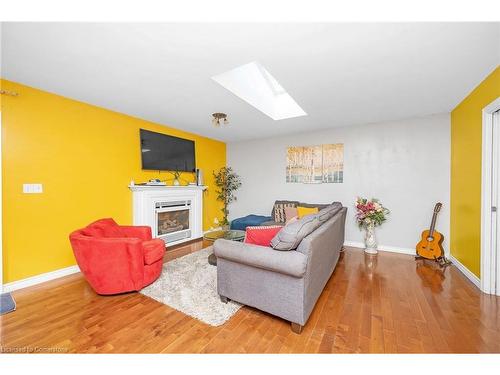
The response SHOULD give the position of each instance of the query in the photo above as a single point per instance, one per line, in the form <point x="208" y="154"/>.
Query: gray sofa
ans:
<point x="283" y="283"/>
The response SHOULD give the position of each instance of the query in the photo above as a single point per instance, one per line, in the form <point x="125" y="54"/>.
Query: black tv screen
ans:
<point x="162" y="152"/>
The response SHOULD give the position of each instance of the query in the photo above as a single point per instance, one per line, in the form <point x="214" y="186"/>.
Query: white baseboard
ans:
<point x="34" y="280"/>
<point x="392" y="249"/>
<point x="468" y="274"/>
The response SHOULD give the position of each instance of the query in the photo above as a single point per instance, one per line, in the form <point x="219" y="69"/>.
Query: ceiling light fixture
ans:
<point x="219" y="118"/>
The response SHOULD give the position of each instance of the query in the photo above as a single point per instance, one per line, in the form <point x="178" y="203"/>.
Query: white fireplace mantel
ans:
<point x="147" y="197"/>
<point x="165" y="187"/>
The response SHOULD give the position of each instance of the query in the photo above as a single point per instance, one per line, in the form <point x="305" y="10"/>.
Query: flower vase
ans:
<point x="370" y="240"/>
<point x="176" y="182"/>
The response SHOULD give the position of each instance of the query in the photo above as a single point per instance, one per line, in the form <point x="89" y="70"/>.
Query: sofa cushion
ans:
<point x="290" y="213"/>
<point x="319" y="206"/>
<point x="107" y="228"/>
<point x="290" y="236"/>
<point x="303" y="211"/>
<point x="261" y="235"/>
<point x="92" y="232"/>
<point x="278" y="212"/>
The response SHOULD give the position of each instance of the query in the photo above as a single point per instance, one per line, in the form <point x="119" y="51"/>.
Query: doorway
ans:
<point x="490" y="197"/>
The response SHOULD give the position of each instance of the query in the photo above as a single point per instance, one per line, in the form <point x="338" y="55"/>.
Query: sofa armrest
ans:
<point x="143" y="232"/>
<point x="290" y="263"/>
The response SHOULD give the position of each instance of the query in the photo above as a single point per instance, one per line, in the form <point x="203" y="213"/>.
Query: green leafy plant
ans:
<point x="227" y="183"/>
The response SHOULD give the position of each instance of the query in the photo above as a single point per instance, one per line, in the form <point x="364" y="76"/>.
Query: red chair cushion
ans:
<point x="261" y="235"/>
<point x="107" y="228"/>
<point x="153" y="250"/>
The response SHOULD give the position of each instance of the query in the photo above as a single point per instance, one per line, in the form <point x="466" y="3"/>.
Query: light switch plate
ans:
<point x="32" y="188"/>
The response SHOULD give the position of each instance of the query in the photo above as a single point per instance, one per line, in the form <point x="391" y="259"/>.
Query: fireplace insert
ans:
<point x="173" y="220"/>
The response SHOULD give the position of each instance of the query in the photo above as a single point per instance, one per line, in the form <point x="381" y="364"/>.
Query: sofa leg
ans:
<point x="224" y="299"/>
<point x="297" y="328"/>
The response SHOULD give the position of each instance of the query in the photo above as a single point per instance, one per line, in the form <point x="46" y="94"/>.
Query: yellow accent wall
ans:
<point x="85" y="157"/>
<point x="466" y="135"/>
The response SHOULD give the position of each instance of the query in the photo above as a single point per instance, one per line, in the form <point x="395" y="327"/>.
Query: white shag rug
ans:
<point x="189" y="284"/>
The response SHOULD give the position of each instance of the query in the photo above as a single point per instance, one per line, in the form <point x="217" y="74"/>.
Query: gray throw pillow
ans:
<point x="328" y="212"/>
<point x="292" y="234"/>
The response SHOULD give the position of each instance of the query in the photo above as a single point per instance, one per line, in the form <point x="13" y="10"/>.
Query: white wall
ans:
<point x="406" y="164"/>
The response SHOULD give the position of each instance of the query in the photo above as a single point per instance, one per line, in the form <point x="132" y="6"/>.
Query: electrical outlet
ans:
<point x="32" y="188"/>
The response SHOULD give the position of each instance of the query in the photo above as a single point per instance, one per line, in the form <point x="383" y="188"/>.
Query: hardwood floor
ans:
<point x="390" y="304"/>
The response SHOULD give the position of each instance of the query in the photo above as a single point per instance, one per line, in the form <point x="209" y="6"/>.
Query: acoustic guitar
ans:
<point x="430" y="245"/>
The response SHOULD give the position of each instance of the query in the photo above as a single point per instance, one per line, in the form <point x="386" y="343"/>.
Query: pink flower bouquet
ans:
<point x="370" y="212"/>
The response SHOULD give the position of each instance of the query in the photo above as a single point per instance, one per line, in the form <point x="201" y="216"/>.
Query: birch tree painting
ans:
<point x="333" y="163"/>
<point x="315" y="164"/>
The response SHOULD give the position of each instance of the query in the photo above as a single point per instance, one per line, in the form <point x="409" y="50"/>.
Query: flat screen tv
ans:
<point x="162" y="152"/>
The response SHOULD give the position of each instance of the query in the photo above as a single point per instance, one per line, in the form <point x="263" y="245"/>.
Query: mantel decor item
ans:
<point x="199" y="177"/>
<point x="176" y="174"/>
<point x="370" y="214"/>
<point x="227" y="183"/>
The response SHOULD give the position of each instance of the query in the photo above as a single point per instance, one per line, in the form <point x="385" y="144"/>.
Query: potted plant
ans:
<point x="370" y="214"/>
<point x="227" y="183"/>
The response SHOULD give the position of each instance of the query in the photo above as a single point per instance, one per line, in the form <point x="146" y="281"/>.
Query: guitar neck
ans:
<point x="433" y="224"/>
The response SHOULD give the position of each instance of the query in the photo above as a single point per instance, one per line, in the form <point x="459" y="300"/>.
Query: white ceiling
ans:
<point x="339" y="73"/>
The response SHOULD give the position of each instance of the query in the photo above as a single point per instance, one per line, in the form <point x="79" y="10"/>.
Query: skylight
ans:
<point x="255" y="85"/>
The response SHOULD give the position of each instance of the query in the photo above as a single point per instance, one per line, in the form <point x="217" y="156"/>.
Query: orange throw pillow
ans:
<point x="261" y="236"/>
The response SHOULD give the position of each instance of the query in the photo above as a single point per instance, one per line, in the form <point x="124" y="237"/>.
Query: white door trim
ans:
<point x="487" y="253"/>
<point x="1" y="208"/>
<point x="465" y="271"/>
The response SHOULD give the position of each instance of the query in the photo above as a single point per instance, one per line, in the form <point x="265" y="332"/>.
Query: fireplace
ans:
<point x="172" y="220"/>
<point x="174" y="213"/>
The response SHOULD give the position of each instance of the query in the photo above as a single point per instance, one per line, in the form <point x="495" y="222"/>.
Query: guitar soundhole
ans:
<point x="430" y="239"/>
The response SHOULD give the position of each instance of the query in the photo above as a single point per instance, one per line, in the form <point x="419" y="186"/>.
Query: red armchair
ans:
<point x="115" y="258"/>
